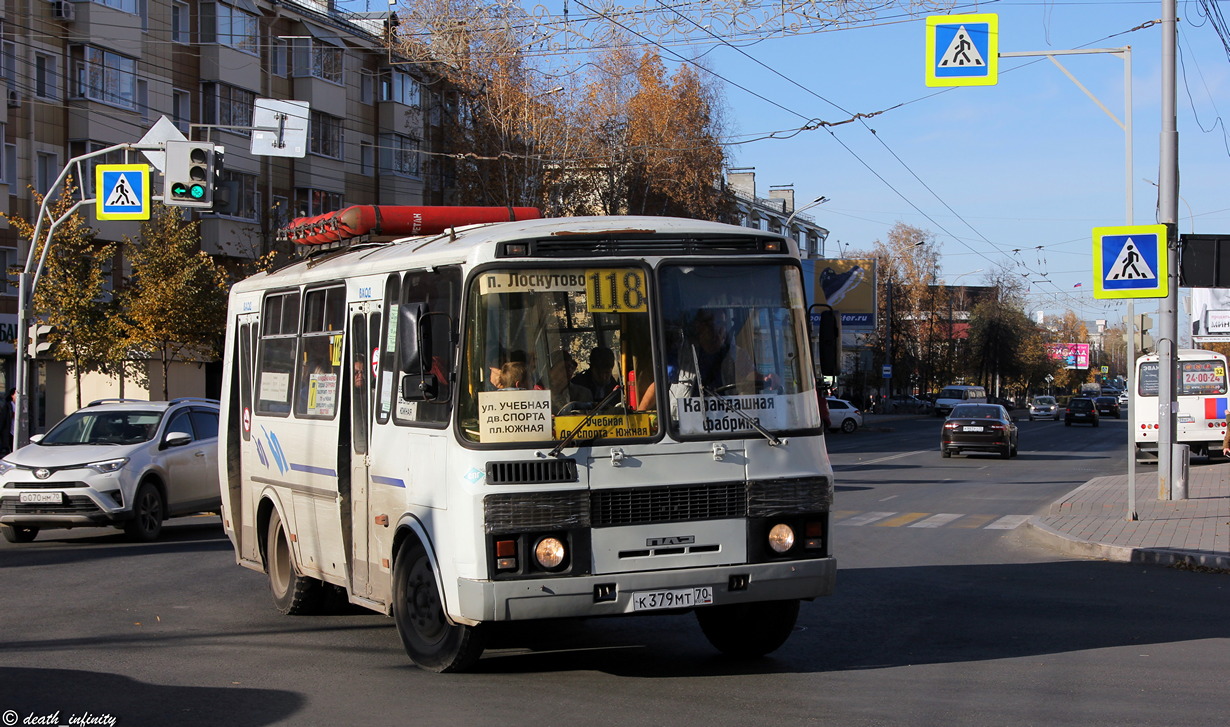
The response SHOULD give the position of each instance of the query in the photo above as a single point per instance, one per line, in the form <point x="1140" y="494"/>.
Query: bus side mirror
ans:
<point x="825" y="338"/>
<point x="423" y="348"/>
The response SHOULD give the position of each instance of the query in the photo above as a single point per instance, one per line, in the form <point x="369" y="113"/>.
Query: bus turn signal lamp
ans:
<point x="506" y="554"/>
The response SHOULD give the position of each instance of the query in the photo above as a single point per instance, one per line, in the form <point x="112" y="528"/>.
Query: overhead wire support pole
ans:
<point x="1168" y="215"/>
<point x="27" y="279"/>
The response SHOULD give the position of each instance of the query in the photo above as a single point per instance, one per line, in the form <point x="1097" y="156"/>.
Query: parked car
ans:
<point x="115" y="462"/>
<point x="1081" y="410"/>
<point x="1107" y="405"/>
<point x="905" y="403"/>
<point x="979" y="428"/>
<point x="843" y="415"/>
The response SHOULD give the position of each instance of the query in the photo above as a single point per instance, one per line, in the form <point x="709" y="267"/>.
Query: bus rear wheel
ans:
<point x="748" y="629"/>
<point x="431" y="641"/>
<point x="293" y="594"/>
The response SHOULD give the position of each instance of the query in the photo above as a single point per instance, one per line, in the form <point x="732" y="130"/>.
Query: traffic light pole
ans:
<point x="28" y="281"/>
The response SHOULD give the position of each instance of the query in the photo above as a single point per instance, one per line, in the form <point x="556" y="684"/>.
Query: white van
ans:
<point x="950" y="396"/>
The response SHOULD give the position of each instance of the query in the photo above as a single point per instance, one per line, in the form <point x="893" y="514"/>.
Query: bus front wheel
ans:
<point x="293" y="594"/>
<point x="748" y="629"/>
<point x="431" y="641"/>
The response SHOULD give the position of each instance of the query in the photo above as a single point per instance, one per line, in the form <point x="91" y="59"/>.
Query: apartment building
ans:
<point x="80" y="76"/>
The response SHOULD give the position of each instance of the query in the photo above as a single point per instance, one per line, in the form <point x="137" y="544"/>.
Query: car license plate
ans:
<point x="42" y="498"/>
<point x="971" y="429"/>
<point x="673" y="598"/>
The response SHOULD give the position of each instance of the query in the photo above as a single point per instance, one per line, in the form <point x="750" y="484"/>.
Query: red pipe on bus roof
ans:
<point x="397" y="220"/>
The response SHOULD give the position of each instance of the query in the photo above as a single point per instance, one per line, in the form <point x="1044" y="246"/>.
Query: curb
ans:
<point x="1068" y="545"/>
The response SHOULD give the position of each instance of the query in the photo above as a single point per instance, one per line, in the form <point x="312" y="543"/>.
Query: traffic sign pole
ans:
<point x="1168" y="214"/>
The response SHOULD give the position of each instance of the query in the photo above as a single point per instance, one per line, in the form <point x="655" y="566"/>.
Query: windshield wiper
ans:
<point x="593" y="412"/>
<point x="773" y="439"/>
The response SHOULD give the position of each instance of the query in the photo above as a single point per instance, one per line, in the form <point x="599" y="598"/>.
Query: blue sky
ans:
<point x="1016" y="173"/>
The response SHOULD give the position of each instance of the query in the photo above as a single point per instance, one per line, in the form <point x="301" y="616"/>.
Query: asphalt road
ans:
<point x="937" y="620"/>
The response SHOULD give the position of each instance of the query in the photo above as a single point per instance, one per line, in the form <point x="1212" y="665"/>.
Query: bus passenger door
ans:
<point x="364" y="339"/>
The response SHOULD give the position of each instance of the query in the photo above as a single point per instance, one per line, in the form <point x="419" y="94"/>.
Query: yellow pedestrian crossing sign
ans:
<point x="121" y="191"/>
<point x="963" y="50"/>
<point x="1130" y="262"/>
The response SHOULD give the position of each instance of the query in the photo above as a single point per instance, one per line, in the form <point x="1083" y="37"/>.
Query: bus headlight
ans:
<point x="781" y="538"/>
<point x="550" y="553"/>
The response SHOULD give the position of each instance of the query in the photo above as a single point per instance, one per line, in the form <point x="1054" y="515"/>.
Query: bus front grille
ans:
<point x="647" y="505"/>
<point x="532" y="472"/>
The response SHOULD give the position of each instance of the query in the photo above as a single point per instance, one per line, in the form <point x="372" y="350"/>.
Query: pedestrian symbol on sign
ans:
<point x="1129" y="265"/>
<point x="1130" y="262"/>
<point x="961" y="52"/>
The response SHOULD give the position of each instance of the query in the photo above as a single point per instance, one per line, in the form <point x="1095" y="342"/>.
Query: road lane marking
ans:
<point x="901" y="519"/>
<point x="936" y="521"/>
<point x="974" y="521"/>
<point x="1008" y="522"/>
<point x="867" y="517"/>
<point x="878" y="460"/>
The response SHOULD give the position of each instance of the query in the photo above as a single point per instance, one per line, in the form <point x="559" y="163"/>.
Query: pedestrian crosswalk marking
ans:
<point x="857" y="518"/>
<point x="901" y="519"/>
<point x="936" y="521"/>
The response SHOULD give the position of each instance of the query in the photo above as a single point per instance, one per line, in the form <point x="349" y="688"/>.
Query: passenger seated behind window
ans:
<point x="512" y="376"/>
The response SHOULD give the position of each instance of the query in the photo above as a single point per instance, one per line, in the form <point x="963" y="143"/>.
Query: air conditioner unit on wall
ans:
<point x="63" y="9"/>
<point x="14" y="99"/>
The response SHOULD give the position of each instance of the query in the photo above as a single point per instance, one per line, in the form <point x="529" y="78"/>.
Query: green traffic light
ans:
<point x="179" y="189"/>
<point x="197" y="191"/>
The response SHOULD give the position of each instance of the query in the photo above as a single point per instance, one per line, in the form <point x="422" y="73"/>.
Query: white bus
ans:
<point x="1201" y="396"/>
<point x="531" y="419"/>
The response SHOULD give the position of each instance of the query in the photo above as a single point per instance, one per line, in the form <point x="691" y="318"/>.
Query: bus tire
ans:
<point x="293" y="594"/>
<point x="747" y="630"/>
<point x="431" y="641"/>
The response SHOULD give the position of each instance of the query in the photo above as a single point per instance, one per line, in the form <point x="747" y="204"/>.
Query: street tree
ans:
<point x="1069" y="328"/>
<point x="914" y="331"/>
<point x="174" y="306"/>
<point x="72" y="293"/>
<point x="1007" y="347"/>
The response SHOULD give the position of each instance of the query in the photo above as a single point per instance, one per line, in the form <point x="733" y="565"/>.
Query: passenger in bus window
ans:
<point x="513" y="376"/>
<point x="563" y="391"/>
<point x="598" y="379"/>
<point x="713" y="357"/>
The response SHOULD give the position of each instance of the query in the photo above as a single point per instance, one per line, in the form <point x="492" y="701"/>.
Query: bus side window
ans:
<point x="440" y="292"/>
<point x="276" y="352"/>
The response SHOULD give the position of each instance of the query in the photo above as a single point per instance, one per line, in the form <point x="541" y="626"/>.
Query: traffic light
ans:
<point x="41" y="341"/>
<point x="225" y="193"/>
<point x="189" y="178"/>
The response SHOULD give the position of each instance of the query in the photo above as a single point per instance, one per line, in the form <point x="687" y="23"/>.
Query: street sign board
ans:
<point x="1130" y="262"/>
<point x="887" y="371"/>
<point x="122" y="191"/>
<point x="280" y="128"/>
<point x="963" y="50"/>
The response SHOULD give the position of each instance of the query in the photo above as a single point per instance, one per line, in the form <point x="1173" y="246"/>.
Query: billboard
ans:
<point x="847" y="285"/>
<point x="1210" y="315"/>
<point x="1074" y="355"/>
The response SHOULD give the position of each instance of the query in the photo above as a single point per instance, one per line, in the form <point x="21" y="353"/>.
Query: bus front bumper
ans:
<point x="610" y="595"/>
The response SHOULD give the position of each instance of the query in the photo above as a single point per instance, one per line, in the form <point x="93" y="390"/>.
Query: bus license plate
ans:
<point x="42" y="498"/>
<point x="674" y="598"/>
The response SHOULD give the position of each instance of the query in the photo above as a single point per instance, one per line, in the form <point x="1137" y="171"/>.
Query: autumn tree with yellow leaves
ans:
<point x="174" y="305"/>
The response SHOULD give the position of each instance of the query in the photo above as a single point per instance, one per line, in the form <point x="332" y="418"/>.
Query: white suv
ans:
<point x="118" y="462"/>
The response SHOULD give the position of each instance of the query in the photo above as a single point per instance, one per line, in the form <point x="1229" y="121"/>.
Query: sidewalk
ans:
<point x="1091" y="521"/>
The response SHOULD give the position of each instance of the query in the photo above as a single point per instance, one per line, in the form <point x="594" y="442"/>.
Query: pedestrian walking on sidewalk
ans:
<point x="1225" y="440"/>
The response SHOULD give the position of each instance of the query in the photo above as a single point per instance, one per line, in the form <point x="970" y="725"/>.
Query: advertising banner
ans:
<point x="1074" y="355"/>
<point x="1210" y="315"/>
<point x="847" y="285"/>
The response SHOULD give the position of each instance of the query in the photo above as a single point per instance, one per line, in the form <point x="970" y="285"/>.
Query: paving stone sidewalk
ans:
<point x="1091" y="521"/>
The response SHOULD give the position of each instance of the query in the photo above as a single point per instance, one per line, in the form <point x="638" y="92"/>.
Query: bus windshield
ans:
<point x="735" y="349"/>
<point x="546" y="348"/>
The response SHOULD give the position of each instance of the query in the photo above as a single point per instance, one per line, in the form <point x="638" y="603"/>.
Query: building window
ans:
<point x="230" y="26"/>
<point x="279" y="57"/>
<point x="228" y="105"/>
<point x="105" y="76"/>
<point x="179" y="22"/>
<point x="318" y="59"/>
<point x="367" y="92"/>
<point x="245" y="197"/>
<point x="181" y="110"/>
<point x="46" y="171"/>
<point x="367" y="159"/>
<point x="10" y="163"/>
<point x="399" y="86"/>
<point x="46" y="82"/>
<point x="326" y="135"/>
<point x="12" y="265"/>
<point x="128" y="6"/>
<point x="312" y="202"/>
<point x="399" y="155"/>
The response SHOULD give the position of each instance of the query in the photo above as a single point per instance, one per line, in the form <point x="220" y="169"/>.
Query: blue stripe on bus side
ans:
<point x="392" y="481"/>
<point x="313" y="470"/>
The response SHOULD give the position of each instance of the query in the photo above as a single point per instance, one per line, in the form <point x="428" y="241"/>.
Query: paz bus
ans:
<point x="1200" y="394"/>
<point x="528" y="419"/>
